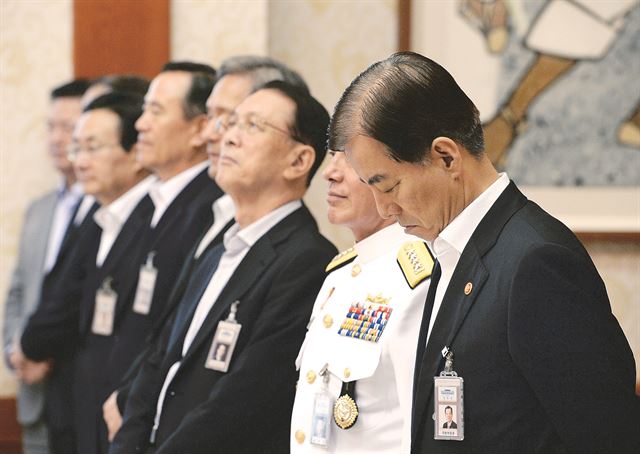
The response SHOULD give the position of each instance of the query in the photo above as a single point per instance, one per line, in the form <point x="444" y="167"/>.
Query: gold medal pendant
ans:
<point x="345" y="410"/>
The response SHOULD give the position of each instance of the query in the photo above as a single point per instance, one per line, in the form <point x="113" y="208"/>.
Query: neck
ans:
<point x="108" y="199"/>
<point x="360" y="233"/>
<point x="69" y="179"/>
<point x="249" y="210"/>
<point x="165" y="174"/>
<point x="482" y="174"/>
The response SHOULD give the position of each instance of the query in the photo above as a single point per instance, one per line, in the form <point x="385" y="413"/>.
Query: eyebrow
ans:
<point x="377" y="178"/>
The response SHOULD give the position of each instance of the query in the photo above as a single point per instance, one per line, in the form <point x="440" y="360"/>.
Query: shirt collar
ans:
<point x="236" y="240"/>
<point x="115" y="214"/>
<point x="162" y="193"/>
<point x="458" y="233"/>
<point x="223" y="208"/>
<point x="380" y="242"/>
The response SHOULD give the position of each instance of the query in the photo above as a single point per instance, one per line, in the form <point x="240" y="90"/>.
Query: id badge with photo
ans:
<point x="146" y="286"/>
<point x="448" y="398"/>
<point x="105" y="309"/>
<point x="224" y="342"/>
<point x="322" y="413"/>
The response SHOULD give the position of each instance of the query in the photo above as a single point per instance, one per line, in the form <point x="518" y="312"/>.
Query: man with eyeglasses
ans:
<point x="254" y="294"/>
<point x="44" y="232"/>
<point x="236" y="79"/>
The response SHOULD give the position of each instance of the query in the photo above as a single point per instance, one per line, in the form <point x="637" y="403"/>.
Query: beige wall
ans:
<point x="318" y="38"/>
<point x="35" y="55"/>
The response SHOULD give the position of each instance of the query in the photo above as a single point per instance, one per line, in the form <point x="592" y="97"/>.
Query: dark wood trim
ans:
<point x="10" y="434"/>
<point x="608" y="236"/>
<point x="120" y="37"/>
<point x="404" y="25"/>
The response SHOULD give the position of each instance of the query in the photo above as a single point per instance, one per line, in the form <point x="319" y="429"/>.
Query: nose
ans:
<point x="387" y="208"/>
<point x="142" y="123"/>
<point x="332" y="172"/>
<point x="231" y="138"/>
<point x="212" y="132"/>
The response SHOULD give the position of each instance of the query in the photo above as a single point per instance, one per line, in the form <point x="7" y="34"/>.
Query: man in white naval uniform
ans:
<point x="386" y="272"/>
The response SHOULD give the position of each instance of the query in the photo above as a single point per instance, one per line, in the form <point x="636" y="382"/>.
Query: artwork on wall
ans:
<point x="557" y="86"/>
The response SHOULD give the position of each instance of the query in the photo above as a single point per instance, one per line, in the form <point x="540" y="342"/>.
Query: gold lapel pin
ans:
<point x="468" y="288"/>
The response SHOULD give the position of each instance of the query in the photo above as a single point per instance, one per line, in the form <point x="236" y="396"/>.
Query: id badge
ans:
<point x="322" y="412"/>
<point x="146" y="286"/>
<point x="224" y="342"/>
<point x="448" y="402"/>
<point x="105" y="309"/>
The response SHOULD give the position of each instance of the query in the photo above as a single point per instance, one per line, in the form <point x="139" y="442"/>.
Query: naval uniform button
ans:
<point x="355" y="270"/>
<point x="327" y="320"/>
<point x="311" y="377"/>
<point x="300" y="436"/>
<point x="347" y="372"/>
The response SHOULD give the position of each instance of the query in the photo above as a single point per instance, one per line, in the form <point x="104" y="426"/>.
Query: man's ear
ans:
<point x="301" y="160"/>
<point x="446" y="154"/>
<point x="198" y="124"/>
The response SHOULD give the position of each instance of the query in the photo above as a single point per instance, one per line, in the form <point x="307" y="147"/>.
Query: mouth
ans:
<point x="334" y="197"/>
<point x="226" y="159"/>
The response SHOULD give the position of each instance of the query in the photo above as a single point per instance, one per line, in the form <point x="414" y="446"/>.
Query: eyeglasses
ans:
<point x="74" y="150"/>
<point x="252" y="125"/>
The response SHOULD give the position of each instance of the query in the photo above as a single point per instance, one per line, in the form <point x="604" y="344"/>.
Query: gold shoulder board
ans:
<point x="341" y="259"/>
<point x="416" y="262"/>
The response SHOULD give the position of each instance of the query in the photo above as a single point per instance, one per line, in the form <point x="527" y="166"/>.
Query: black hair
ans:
<point x="73" y="89"/>
<point x="405" y="102"/>
<point x="130" y="83"/>
<point x="128" y="107"/>
<point x="203" y="78"/>
<point x="310" y="122"/>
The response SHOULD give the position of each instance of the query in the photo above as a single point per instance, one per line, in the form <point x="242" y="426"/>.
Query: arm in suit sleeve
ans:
<point x="53" y="328"/>
<point x="14" y="304"/>
<point x="572" y="351"/>
<point x="140" y="396"/>
<point x="258" y="392"/>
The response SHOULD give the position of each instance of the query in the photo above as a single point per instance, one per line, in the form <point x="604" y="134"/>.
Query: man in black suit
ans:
<point x="65" y="327"/>
<point x="260" y="282"/>
<point x="449" y="423"/>
<point x="519" y="312"/>
<point x="237" y="77"/>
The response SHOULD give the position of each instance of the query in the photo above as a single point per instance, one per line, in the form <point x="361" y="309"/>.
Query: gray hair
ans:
<point x="261" y="70"/>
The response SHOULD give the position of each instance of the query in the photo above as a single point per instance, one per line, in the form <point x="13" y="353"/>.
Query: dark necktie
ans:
<point x="202" y="274"/>
<point x="424" y="326"/>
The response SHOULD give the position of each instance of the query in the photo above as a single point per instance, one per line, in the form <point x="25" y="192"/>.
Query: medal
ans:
<point x="345" y="410"/>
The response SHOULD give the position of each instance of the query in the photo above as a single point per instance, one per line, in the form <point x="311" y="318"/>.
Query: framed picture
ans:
<point x="560" y="105"/>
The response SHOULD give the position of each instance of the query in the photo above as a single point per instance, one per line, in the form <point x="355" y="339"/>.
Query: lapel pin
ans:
<point x="468" y="288"/>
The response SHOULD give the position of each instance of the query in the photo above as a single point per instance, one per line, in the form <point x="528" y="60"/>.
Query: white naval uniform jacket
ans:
<point x="383" y="369"/>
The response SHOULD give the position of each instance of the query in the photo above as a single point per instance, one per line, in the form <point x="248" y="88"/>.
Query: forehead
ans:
<point x="65" y="107"/>
<point x="169" y="85"/>
<point x="268" y="103"/>
<point x="369" y="158"/>
<point x="229" y="91"/>
<point x="96" y="123"/>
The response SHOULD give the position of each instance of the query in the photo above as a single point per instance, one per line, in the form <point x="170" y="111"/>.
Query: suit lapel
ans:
<point x="252" y="267"/>
<point x="455" y="304"/>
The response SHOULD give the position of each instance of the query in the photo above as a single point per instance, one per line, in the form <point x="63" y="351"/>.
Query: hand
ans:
<point x="16" y="359"/>
<point x="33" y="372"/>
<point x="111" y="415"/>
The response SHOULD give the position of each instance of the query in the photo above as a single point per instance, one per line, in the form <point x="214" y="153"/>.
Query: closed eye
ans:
<point x="388" y="191"/>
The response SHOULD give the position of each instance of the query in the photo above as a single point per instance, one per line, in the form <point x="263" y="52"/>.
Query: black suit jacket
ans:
<point x="546" y="367"/>
<point x="248" y="408"/>
<point x="173" y="300"/>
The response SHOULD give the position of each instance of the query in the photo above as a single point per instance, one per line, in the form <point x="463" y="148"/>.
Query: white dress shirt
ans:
<point x="162" y="193"/>
<point x="85" y="205"/>
<point x="65" y="205"/>
<point x="448" y="246"/>
<point x="223" y="211"/>
<point x="236" y="244"/>
<point x="112" y="217"/>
